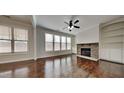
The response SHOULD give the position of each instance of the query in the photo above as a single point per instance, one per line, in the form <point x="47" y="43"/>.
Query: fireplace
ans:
<point x="89" y="49"/>
<point x="86" y="52"/>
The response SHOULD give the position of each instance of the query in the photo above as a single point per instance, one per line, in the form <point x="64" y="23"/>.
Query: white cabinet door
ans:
<point x="104" y="53"/>
<point x="116" y="53"/>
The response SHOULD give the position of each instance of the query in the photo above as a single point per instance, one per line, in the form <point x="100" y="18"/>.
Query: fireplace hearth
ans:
<point x="86" y="52"/>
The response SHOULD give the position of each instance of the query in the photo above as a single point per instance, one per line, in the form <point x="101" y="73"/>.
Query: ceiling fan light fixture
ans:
<point x="71" y="27"/>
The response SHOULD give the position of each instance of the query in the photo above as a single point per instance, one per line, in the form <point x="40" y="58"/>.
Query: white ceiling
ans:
<point x="56" y="22"/>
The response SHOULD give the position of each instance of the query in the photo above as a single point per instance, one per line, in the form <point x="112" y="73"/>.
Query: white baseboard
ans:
<point x="30" y="58"/>
<point x="11" y="61"/>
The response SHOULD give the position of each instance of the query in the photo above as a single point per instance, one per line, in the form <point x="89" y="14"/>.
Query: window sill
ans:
<point x="16" y="53"/>
<point x="57" y="51"/>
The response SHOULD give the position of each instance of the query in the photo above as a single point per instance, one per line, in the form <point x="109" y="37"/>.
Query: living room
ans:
<point x="61" y="46"/>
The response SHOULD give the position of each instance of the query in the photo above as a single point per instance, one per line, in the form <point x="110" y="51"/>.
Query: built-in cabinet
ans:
<point x="111" y="45"/>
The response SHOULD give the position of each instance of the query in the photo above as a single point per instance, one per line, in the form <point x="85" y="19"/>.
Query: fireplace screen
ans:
<point x="86" y="52"/>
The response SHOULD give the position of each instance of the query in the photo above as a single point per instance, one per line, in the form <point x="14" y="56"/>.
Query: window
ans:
<point x="48" y="42"/>
<point x="56" y="43"/>
<point x="63" y="43"/>
<point x="5" y="39"/>
<point x="13" y="39"/>
<point x="20" y="40"/>
<point x="68" y="43"/>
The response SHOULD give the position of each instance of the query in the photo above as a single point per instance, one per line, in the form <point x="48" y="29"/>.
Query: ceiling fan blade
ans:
<point x="76" y="26"/>
<point x="76" y="21"/>
<point x="66" y="23"/>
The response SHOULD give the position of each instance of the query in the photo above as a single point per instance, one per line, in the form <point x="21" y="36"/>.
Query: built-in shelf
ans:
<point x="112" y="42"/>
<point x="119" y="35"/>
<point x="106" y="31"/>
<point x="114" y="28"/>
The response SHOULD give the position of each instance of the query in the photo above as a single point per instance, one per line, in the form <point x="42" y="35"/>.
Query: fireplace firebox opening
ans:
<point x="86" y="52"/>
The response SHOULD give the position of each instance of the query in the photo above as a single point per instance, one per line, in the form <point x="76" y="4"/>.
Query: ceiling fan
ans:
<point x="72" y="24"/>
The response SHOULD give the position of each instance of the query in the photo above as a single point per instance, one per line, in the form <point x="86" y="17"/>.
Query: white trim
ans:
<point x="35" y="37"/>
<point x="24" y="59"/>
<point x="87" y="43"/>
<point x="15" y="53"/>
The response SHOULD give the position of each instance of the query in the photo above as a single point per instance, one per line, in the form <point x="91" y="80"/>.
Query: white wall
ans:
<point x="41" y="43"/>
<point x="90" y="35"/>
<point x="12" y="57"/>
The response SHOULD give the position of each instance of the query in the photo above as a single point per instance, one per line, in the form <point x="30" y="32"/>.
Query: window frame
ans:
<point x="20" y="40"/>
<point x="53" y="43"/>
<point x="13" y="41"/>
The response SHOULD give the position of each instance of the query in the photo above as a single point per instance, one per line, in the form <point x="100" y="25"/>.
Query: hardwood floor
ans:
<point x="67" y="66"/>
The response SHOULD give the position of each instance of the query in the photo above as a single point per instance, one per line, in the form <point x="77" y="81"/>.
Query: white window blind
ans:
<point x="5" y="39"/>
<point x="63" y="43"/>
<point x="56" y="43"/>
<point x="68" y="43"/>
<point x="48" y="42"/>
<point x="20" y="40"/>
